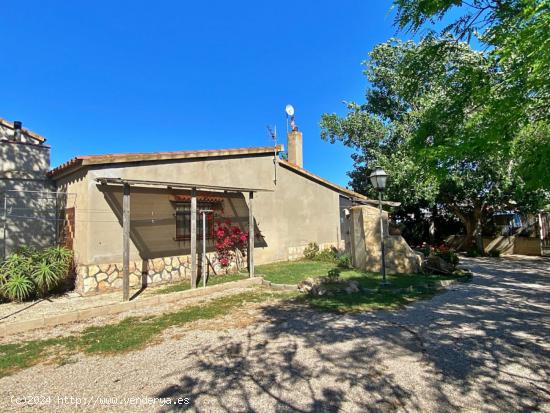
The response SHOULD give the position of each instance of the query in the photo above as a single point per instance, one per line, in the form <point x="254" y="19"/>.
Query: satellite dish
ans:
<point x="289" y="110"/>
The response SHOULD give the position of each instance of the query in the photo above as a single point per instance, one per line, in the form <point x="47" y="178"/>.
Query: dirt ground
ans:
<point x="483" y="346"/>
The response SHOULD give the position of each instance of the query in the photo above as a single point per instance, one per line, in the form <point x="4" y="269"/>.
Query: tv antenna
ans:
<point x="273" y="134"/>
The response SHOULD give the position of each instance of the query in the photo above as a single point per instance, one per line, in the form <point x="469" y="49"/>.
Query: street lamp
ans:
<point x="378" y="179"/>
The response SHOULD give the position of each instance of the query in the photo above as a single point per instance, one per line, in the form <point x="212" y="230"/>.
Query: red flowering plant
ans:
<point x="447" y="253"/>
<point x="229" y="239"/>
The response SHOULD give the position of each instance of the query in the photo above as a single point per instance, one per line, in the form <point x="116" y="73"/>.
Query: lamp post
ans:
<point x="378" y="179"/>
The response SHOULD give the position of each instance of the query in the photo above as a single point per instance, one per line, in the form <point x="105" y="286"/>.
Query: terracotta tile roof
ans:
<point x="80" y="161"/>
<point x="25" y="131"/>
<point x="323" y="181"/>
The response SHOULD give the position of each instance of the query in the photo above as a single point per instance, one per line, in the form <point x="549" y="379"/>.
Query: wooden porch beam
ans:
<point x="126" y="243"/>
<point x="250" y="235"/>
<point x="194" y="238"/>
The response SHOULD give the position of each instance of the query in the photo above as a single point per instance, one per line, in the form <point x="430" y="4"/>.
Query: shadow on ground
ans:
<point x="481" y="346"/>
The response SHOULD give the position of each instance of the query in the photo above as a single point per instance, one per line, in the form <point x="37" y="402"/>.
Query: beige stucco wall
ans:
<point x="297" y="212"/>
<point x="508" y="245"/>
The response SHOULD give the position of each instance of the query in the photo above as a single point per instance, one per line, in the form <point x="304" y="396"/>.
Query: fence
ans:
<point x="35" y="218"/>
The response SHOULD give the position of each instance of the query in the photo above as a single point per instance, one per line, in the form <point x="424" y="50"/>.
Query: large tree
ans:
<point x="516" y="35"/>
<point x="431" y="119"/>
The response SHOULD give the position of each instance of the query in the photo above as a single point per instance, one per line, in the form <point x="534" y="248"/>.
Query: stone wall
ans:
<point x="93" y="279"/>
<point x="366" y="245"/>
<point x="297" y="253"/>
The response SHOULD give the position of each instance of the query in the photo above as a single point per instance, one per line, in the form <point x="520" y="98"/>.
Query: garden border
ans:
<point x="7" y="329"/>
<point x="117" y="308"/>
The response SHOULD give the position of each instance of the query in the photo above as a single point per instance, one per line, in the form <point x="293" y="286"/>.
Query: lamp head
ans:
<point x="378" y="179"/>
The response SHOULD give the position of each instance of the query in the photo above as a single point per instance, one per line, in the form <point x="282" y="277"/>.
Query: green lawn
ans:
<point x="293" y="272"/>
<point x="212" y="280"/>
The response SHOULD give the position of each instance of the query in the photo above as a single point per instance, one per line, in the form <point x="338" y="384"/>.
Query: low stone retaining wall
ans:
<point x="7" y="329"/>
<point x="98" y="278"/>
<point x="297" y="252"/>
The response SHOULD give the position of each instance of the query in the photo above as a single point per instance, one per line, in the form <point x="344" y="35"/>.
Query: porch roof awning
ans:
<point x="176" y="185"/>
<point x="374" y="202"/>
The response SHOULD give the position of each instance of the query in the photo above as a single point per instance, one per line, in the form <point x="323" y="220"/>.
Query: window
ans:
<point x="183" y="219"/>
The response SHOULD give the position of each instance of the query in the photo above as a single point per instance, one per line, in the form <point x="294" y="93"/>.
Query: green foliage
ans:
<point x="531" y="150"/>
<point x="30" y="272"/>
<point x="46" y="276"/>
<point x="448" y="255"/>
<point x="436" y="120"/>
<point x="311" y="251"/>
<point x="18" y="287"/>
<point x="344" y="261"/>
<point x="330" y="255"/>
<point x="327" y="255"/>
<point x="516" y="35"/>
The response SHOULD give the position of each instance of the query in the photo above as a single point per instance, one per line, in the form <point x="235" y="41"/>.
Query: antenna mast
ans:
<point x="273" y="134"/>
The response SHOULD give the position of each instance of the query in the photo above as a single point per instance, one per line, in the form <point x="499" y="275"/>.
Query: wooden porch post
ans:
<point x="250" y="235"/>
<point x="126" y="243"/>
<point x="194" y="238"/>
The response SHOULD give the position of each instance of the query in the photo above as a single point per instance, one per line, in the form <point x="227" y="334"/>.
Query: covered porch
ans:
<point x="193" y="233"/>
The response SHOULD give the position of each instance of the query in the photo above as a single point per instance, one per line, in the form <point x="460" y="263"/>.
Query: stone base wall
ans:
<point x="93" y="279"/>
<point x="365" y="245"/>
<point x="297" y="253"/>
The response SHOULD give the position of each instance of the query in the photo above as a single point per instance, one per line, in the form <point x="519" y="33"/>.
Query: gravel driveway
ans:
<point x="481" y="346"/>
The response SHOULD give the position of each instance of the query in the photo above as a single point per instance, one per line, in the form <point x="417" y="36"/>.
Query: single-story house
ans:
<point x="138" y="208"/>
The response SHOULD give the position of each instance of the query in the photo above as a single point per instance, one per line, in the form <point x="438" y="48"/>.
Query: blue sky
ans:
<point x="129" y="76"/>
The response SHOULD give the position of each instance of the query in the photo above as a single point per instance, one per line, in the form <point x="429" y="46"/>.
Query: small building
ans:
<point x="153" y="196"/>
<point x="25" y="190"/>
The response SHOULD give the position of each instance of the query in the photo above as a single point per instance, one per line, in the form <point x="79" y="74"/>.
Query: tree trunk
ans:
<point x="472" y="226"/>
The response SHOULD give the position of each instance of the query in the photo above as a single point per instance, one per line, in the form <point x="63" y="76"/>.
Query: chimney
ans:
<point x="295" y="155"/>
<point x="17" y="125"/>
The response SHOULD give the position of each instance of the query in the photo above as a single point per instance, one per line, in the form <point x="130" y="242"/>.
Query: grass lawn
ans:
<point x="293" y="272"/>
<point x="129" y="334"/>
<point x="212" y="280"/>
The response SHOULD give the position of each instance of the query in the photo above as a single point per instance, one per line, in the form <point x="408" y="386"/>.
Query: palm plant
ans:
<point x="46" y="275"/>
<point x="18" y="287"/>
<point x="29" y="271"/>
<point x="15" y="283"/>
<point x="61" y="256"/>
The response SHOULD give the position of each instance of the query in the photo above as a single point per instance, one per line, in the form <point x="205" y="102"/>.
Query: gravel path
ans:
<point x="482" y="346"/>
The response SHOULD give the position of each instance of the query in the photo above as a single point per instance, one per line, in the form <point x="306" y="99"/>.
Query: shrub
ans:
<point x="30" y="272"/>
<point x="18" y="287"/>
<point x="229" y="239"/>
<point x="46" y="276"/>
<point x="327" y="255"/>
<point x="16" y="284"/>
<point x="344" y="260"/>
<point x="450" y="256"/>
<point x="311" y="251"/>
